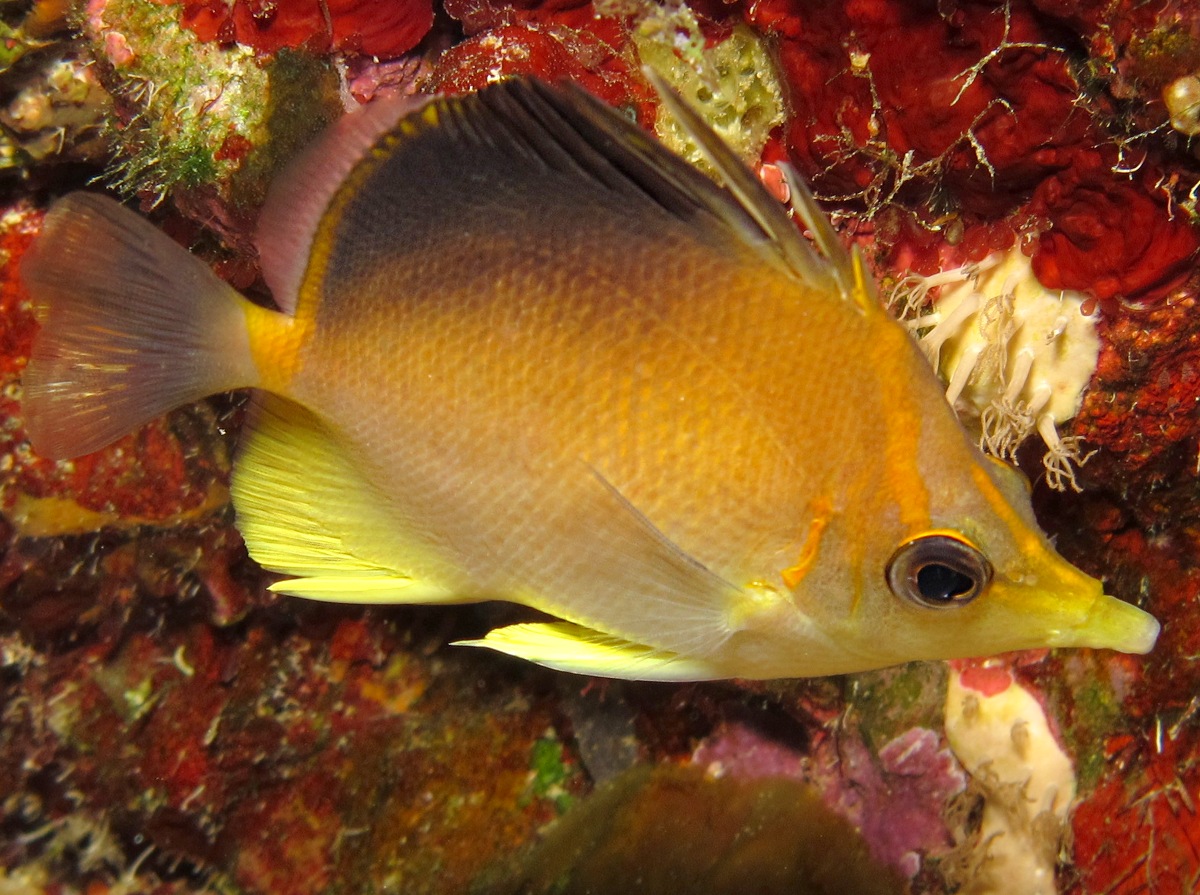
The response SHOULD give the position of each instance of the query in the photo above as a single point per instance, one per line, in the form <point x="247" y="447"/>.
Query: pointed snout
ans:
<point x="1112" y="624"/>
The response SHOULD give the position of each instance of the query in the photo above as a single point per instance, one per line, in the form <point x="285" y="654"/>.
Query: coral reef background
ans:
<point x="169" y="726"/>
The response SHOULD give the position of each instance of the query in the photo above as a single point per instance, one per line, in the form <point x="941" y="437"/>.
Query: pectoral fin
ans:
<point x="569" y="647"/>
<point x="604" y="565"/>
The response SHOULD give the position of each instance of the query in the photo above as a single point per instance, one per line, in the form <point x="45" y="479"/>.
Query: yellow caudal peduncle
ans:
<point x="275" y="344"/>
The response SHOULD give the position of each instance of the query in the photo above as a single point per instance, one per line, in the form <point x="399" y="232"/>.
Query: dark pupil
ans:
<point x="941" y="584"/>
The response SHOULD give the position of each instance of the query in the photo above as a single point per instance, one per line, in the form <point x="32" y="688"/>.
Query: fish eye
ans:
<point x="938" y="571"/>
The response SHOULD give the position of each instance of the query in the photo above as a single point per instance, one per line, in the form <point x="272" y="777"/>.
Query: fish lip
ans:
<point x="1112" y="624"/>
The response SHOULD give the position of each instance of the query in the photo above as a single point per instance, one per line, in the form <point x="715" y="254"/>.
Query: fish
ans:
<point x="522" y="352"/>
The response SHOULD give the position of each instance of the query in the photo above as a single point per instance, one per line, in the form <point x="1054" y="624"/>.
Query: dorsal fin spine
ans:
<point x="865" y="294"/>
<point x="772" y="221"/>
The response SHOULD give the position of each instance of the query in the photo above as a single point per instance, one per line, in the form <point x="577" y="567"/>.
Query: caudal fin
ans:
<point x="132" y="326"/>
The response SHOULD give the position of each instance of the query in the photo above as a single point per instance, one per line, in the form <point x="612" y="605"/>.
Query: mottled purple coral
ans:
<point x="897" y="796"/>
<point x="738" y="750"/>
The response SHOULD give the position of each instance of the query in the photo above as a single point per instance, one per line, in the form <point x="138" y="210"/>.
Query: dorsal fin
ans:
<point x="741" y="204"/>
<point x="847" y="268"/>
<point x="437" y="163"/>
<point x="832" y="266"/>
<point x="300" y="195"/>
<point x="571" y="127"/>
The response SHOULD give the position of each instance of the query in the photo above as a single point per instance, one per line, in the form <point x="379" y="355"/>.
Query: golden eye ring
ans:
<point x="938" y="571"/>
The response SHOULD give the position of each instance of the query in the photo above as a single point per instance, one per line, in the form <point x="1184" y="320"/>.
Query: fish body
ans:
<point x="524" y="353"/>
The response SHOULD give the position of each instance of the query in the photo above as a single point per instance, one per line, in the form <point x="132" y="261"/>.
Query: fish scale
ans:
<point x="492" y="409"/>
<point x="524" y="353"/>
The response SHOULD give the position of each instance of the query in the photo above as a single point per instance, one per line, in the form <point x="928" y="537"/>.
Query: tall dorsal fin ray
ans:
<point x="823" y="235"/>
<point x="525" y="117"/>
<point x="815" y="270"/>
<point x="848" y="268"/>
<point x="534" y="124"/>
<point x="605" y="145"/>
<point x="299" y="197"/>
<point x="564" y="129"/>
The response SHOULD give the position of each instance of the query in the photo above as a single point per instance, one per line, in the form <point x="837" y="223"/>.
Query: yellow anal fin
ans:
<point x="370" y="586"/>
<point x="305" y="510"/>
<point x="566" y="646"/>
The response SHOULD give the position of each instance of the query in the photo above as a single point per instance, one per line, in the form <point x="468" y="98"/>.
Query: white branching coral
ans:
<point x="1016" y="357"/>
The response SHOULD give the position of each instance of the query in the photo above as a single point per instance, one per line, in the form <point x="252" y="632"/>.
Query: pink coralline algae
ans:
<point x="737" y="749"/>
<point x="897" y="796"/>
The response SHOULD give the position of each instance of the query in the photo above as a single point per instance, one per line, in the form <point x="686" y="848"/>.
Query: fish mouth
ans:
<point x="1112" y="624"/>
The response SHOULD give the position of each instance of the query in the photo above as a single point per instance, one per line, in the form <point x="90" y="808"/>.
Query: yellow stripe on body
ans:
<point x="902" y="435"/>
<point x="321" y="251"/>
<point x="902" y="481"/>
<point x="822" y="512"/>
